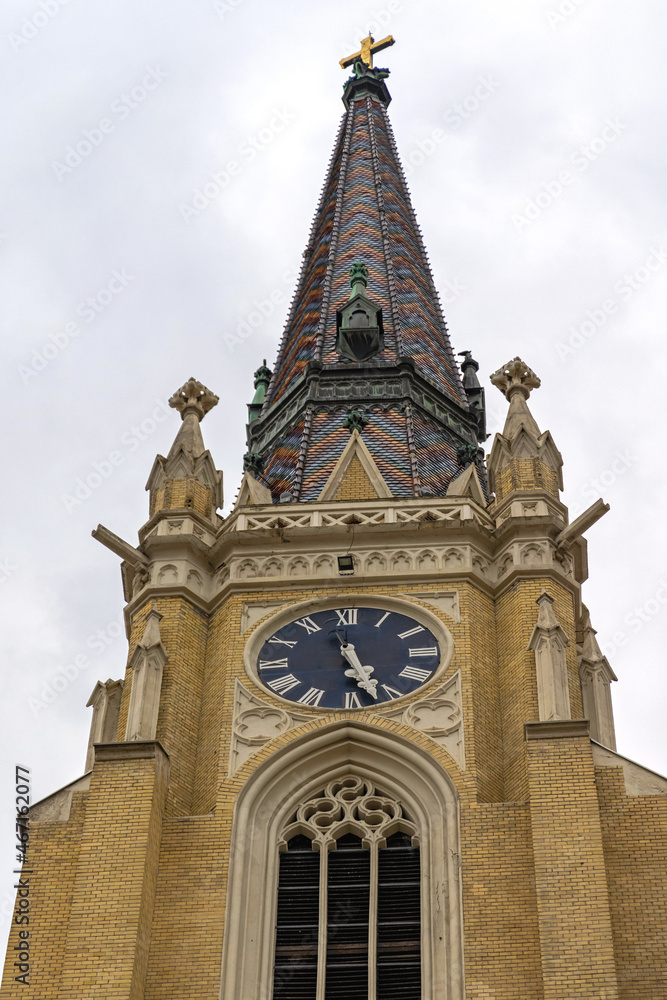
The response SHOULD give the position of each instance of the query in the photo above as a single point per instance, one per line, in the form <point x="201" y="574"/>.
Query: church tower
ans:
<point x="364" y="745"/>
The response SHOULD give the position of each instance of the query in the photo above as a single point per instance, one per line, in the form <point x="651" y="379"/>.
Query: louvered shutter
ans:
<point x="295" y="975"/>
<point x="399" y="920"/>
<point x="347" y="920"/>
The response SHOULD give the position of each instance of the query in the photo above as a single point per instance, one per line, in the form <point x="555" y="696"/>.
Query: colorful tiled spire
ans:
<point x="384" y="351"/>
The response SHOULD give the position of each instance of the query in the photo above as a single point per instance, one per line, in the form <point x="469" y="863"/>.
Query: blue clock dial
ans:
<point x="348" y="658"/>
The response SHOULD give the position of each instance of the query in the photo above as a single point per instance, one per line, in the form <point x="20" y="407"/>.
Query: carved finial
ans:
<point x="193" y="397"/>
<point x="515" y="378"/>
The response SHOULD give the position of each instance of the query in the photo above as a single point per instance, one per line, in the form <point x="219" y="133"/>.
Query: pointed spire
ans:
<point x="187" y="477"/>
<point x="381" y="351"/>
<point x="522" y="459"/>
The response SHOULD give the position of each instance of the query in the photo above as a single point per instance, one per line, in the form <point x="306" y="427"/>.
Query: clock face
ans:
<point x="348" y="658"/>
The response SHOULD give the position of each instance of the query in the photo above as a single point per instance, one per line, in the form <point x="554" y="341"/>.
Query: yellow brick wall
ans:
<point x="635" y="845"/>
<point x="356" y="485"/>
<point x="184" y="633"/>
<point x="53" y="857"/>
<point x="177" y="494"/>
<point x="516" y="615"/>
<point x="525" y="474"/>
<point x="501" y="937"/>
<point x="570" y="878"/>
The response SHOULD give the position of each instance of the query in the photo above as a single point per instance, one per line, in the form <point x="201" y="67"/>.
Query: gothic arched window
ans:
<point x="408" y="801"/>
<point x="348" y="916"/>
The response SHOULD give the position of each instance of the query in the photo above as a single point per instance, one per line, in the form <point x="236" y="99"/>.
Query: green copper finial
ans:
<point x="358" y="278"/>
<point x="355" y="421"/>
<point x="262" y="380"/>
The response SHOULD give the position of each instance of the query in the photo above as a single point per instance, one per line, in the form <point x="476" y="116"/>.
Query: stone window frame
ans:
<point x="271" y="797"/>
<point x="349" y="804"/>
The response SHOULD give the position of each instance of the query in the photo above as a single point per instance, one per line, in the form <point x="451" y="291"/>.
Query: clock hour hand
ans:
<point x="358" y="670"/>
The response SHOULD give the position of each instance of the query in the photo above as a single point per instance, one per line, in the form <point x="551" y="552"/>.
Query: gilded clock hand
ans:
<point x="358" y="670"/>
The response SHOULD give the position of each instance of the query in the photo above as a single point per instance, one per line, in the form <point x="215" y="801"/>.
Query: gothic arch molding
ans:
<point x="295" y="773"/>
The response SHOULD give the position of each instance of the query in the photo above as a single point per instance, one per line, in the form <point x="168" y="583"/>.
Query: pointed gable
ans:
<point x="355" y="475"/>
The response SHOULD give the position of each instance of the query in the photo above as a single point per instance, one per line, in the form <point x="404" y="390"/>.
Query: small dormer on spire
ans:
<point x="522" y="459"/>
<point x="187" y="477"/>
<point x="359" y="323"/>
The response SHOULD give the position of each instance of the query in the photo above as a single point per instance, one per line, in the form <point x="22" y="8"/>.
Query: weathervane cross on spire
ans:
<point x="368" y="49"/>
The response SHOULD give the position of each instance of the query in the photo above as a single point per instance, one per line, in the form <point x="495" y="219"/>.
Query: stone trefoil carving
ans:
<point x="596" y="676"/>
<point x="147" y="663"/>
<point x="549" y="643"/>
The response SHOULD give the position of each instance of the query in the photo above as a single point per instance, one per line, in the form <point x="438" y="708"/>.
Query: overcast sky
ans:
<point x="162" y="163"/>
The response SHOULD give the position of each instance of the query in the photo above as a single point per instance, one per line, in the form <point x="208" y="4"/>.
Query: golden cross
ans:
<point x="368" y="48"/>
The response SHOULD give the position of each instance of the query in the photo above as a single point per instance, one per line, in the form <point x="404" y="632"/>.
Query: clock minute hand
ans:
<point x="360" y="672"/>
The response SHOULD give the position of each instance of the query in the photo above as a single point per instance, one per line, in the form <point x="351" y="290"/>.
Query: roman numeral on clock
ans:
<point x="352" y="700"/>
<point x="273" y="664"/>
<point x="282" y="684"/>
<point x="425" y="651"/>
<point x="347" y="617"/>
<point x="411" y="631"/>
<point x="415" y="673"/>
<point x="312" y="697"/>
<point x="391" y="692"/>
<point x="283" y="642"/>
<point x="308" y="624"/>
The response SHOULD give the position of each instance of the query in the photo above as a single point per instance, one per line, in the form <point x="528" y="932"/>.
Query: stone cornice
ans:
<point x="557" y="729"/>
<point x="137" y="750"/>
<point x="337" y="385"/>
